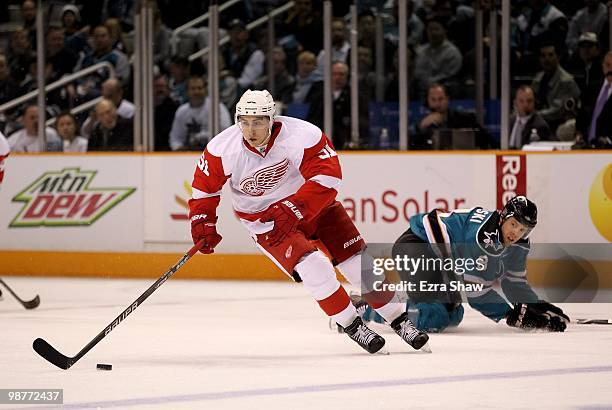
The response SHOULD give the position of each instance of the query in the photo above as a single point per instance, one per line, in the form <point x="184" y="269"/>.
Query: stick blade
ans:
<point x="50" y="354"/>
<point x="31" y="304"/>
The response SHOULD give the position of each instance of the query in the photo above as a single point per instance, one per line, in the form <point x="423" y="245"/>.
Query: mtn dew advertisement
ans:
<point x="72" y="203"/>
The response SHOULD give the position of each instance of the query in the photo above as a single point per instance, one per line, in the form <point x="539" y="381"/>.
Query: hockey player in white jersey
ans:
<point x="284" y="175"/>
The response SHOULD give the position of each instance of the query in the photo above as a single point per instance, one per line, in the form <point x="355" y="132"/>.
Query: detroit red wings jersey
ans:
<point x="299" y="162"/>
<point x="4" y="153"/>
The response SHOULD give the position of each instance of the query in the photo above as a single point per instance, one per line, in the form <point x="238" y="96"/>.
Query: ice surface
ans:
<point x="244" y="345"/>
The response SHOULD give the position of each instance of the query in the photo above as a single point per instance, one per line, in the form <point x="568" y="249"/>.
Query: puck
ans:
<point x="102" y="366"/>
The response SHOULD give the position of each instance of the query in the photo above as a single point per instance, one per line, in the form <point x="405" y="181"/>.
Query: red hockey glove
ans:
<point x="286" y="217"/>
<point x="201" y="228"/>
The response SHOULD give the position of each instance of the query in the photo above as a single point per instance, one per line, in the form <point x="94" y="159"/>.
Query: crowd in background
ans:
<point x="561" y="70"/>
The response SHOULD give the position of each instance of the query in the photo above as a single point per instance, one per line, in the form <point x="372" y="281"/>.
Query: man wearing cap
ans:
<point x="242" y="57"/>
<point x="585" y="65"/>
<point x="591" y="18"/>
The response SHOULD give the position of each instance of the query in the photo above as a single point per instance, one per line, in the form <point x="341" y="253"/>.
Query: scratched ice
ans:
<point x="236" y="345"/>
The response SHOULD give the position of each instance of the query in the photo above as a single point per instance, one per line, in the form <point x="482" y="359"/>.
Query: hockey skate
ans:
<point x="365" y="337"/>
<point x="407" y="331"/>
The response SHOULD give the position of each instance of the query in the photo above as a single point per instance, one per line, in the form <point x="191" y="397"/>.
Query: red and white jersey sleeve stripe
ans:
<point x="208" y="180"/>
<point x="321" y="170"/>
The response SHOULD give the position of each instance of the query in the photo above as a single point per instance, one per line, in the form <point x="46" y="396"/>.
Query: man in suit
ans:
<point x="526" y="120"/>
<point x="593" y="123"/>
<point x="441" y="117"/>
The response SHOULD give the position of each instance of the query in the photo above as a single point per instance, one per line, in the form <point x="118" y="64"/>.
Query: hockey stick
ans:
<point x="49" y="353"/>
<point x="28" y="304"/>
<point x="594" y="321"/>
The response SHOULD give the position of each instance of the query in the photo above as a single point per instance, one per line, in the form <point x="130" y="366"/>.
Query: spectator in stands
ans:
<point x="392" y="83"/>
<point x="591" y="18"/>
<point x="441" y="117"/>
<point x="179" y="74"/>
<point x="341" y="94"/>
<point x="284" y="82"/>
<point x="367" y="76"/>
<point x="190" y="128"/>
<point x="304" y="25"/>
<point x="526" y="125"/>
<point x="242" y="57"/>
<point x="75" y="37"/>
<point x="26" y="139"/>
<point x="116" y="34"/>
<point x="438" y="61"/>
<point x="103" y="51"/>
<point x="415" y="26"/>
<point x="340" y="46"/>
<point x="111" y="132"/>
<point x="28" y="15"/>
<point x="366" y="27"/>
<point x="165" y="108"/>
<point x="307" y="75"/>
<point x="111" y="90"/>
<point x="161" y="42"/>
<point x="67" y="131"/>
<point x="62" y="59"/>
<point x="585" y="65"/>
<point x="19" y="55"/>
<point x="557" y="94"/>
<point x="594" y="124"/>
<point x="8" y="88"/>
<point x="541" y="22"/>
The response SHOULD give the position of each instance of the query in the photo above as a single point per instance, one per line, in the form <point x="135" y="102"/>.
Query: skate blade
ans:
<point x="426" y="348"/>
<point x="383" y="351"/>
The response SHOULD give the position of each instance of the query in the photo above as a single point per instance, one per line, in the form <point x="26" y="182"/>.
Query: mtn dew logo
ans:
<point x="65" y="198"/>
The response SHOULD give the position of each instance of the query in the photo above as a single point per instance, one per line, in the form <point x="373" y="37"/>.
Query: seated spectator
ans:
<point x="19" y="55"/>
<point x="28" y="15"/>
<point x="8" y="88"/>
<point x="284" y="82"/>
<point x="75" y="37"/>
<point x="442" y="117"/>
<point x="111" y="132"/>
<point x="116" y="34"/>
<point x="111" y="90"/>
<point x="415" y="26"/>
<point x="306" y="76"/>
<point x="190" y="128"/>
<point x="526" y="125"/>
<point x="26" y="139"/>
<point x="340" y="46"/>
<point x="585" y="65"/>
<point x="589" y="19"/>
<point x="541" y="22"/>
<point x="392" y="81"/>
<point x="103" y="51"/>
<point x="161" y="42"/>
<point x="594" y="124"/>
<point x="62" y="59"/>
<point x="304" y="25"/>
<point x="66" y="129"/>
<point x="437" y="61"/>
<point x="341" y="94"/>
<point x="179" y="74"/>
<point x="557" y="94"/>
<point x="242" y="57"/>
<point x="366" y="26"/>
<point x="165" y="107"/>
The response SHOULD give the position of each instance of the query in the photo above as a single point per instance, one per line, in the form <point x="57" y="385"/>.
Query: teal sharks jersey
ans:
<point x="476" y="234"/>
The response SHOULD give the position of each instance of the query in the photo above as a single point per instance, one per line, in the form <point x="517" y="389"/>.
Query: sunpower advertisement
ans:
<point x="126" y="203"/>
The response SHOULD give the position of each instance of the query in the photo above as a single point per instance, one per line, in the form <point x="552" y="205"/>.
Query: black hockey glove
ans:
<point x="537" y="316"/>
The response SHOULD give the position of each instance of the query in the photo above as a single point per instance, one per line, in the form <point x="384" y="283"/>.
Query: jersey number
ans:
<point x="203" y="165"/>
<point x="327" y="152"/>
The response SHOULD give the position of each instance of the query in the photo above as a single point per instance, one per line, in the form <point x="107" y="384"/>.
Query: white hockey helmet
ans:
<point x="256" y="103"/>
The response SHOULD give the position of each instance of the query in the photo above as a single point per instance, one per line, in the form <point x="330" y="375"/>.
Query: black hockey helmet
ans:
<point x="523" y="210"/>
